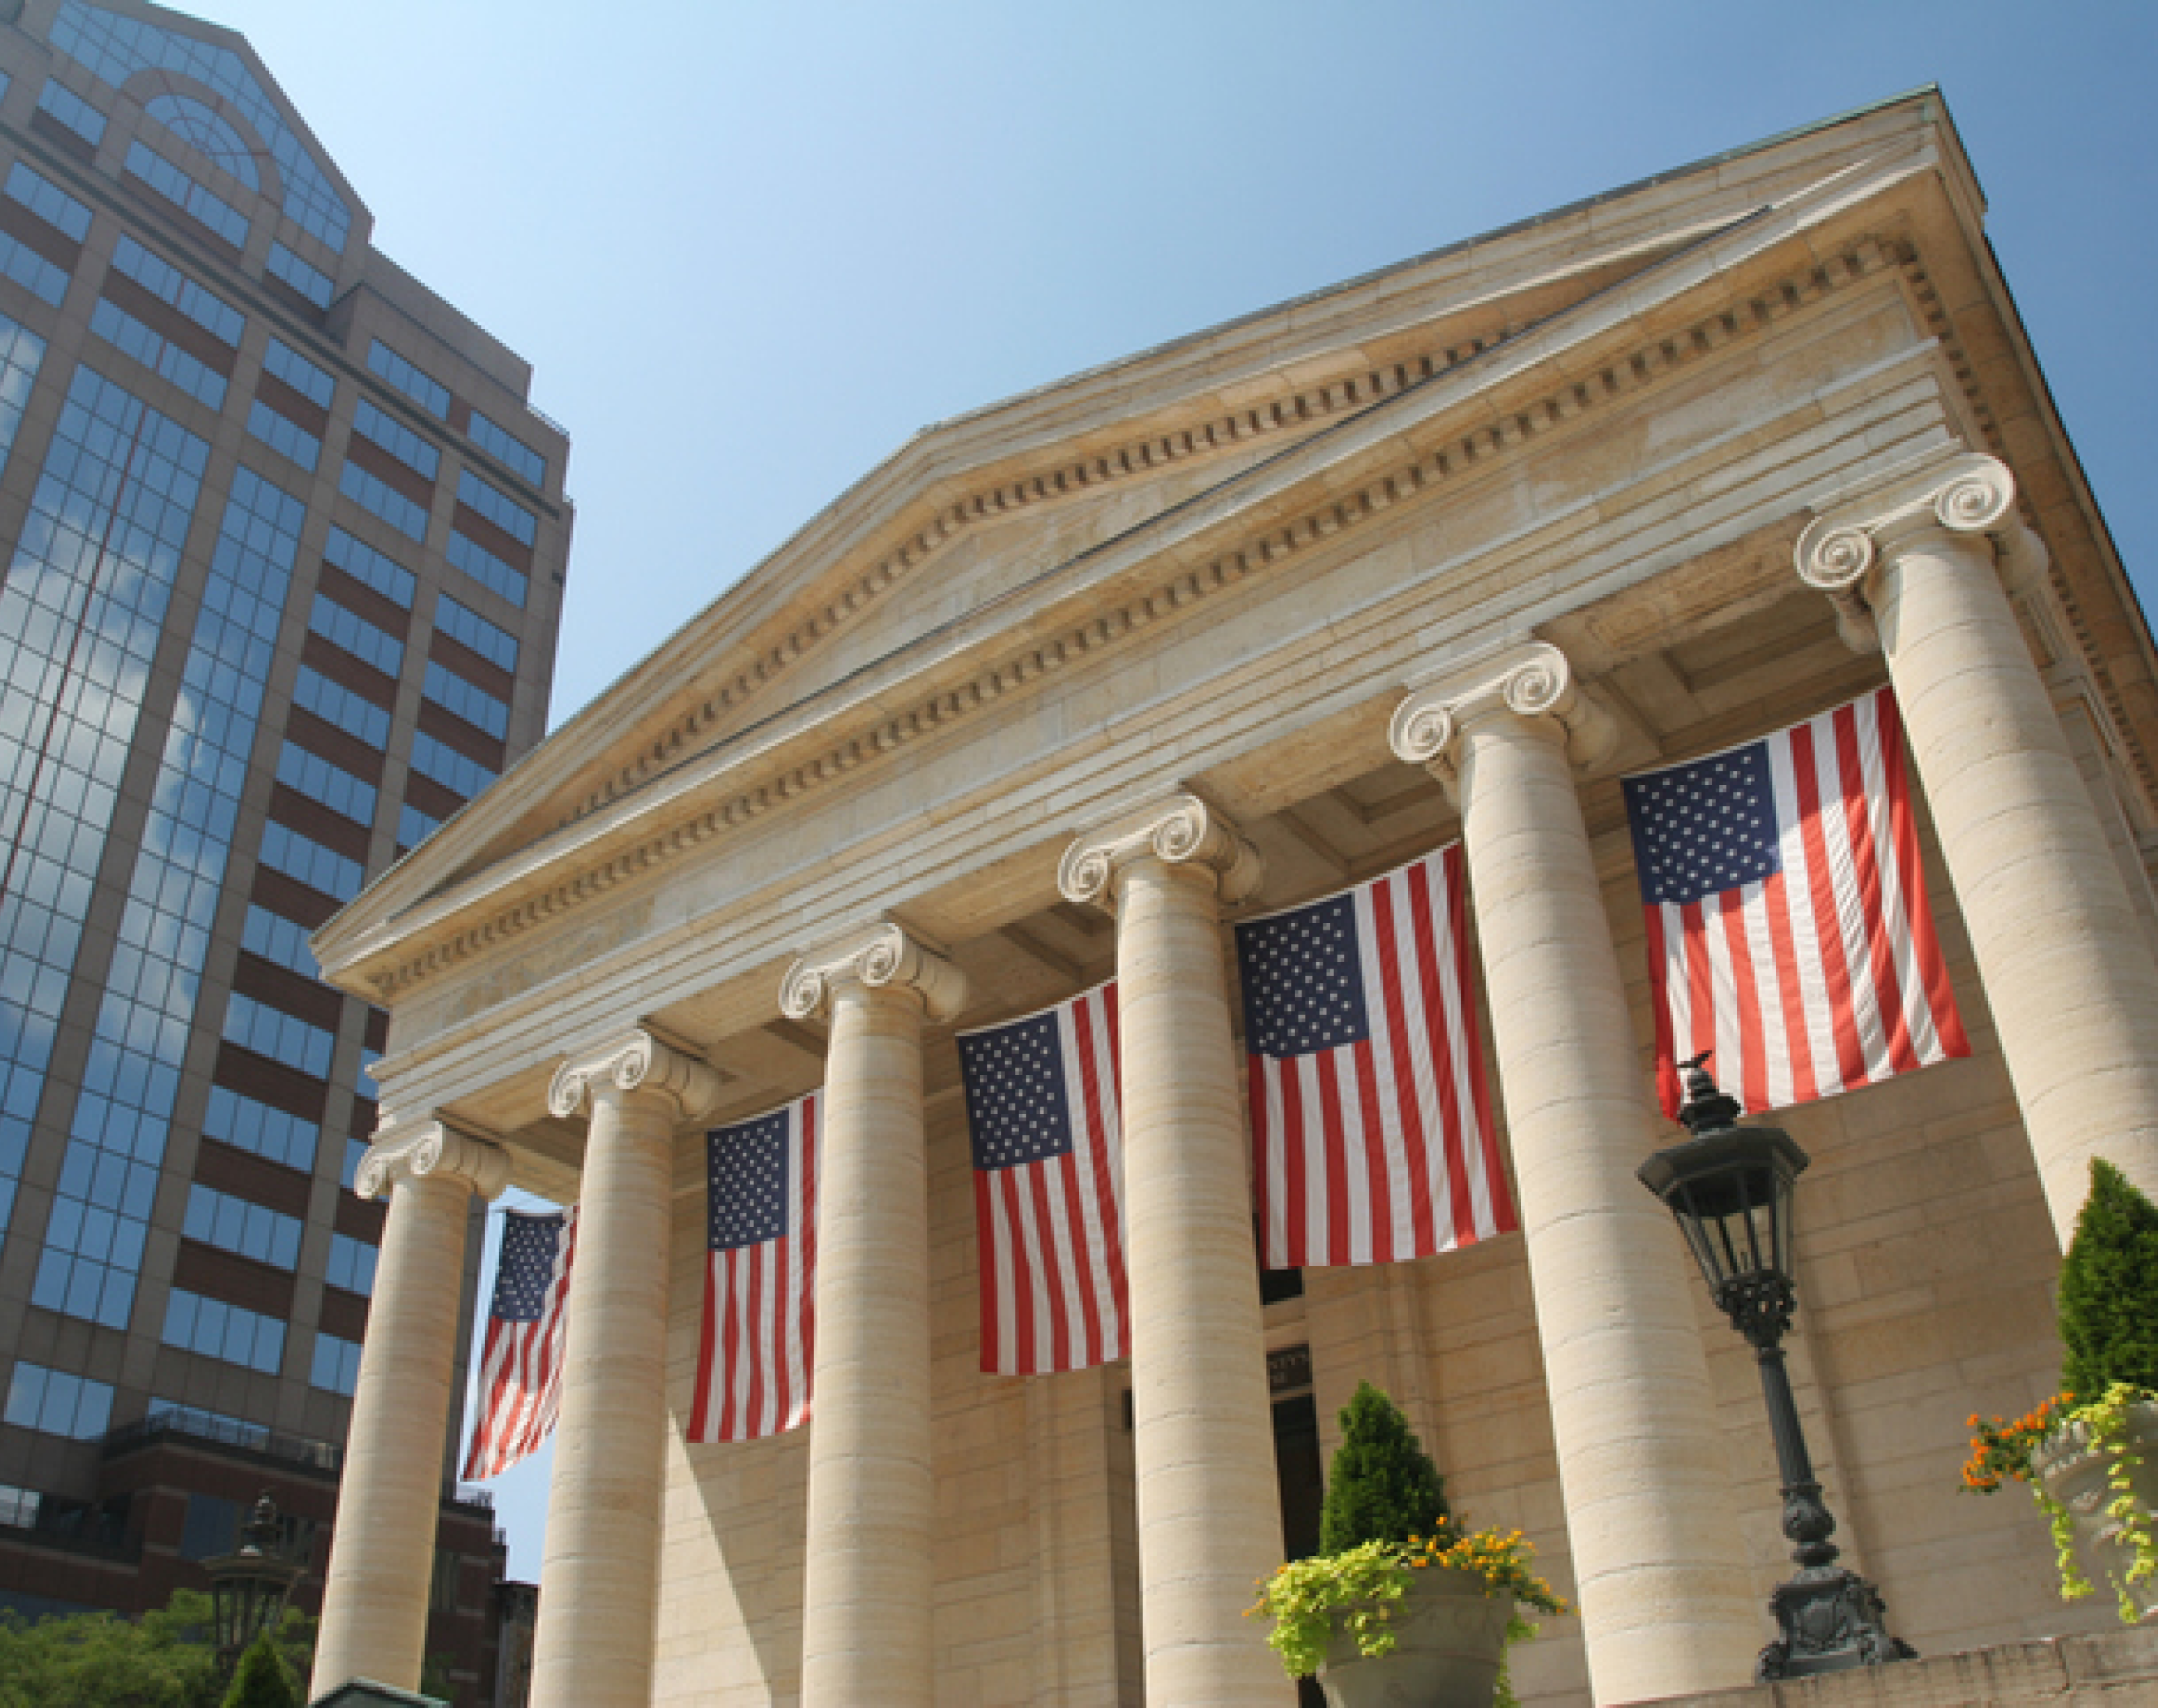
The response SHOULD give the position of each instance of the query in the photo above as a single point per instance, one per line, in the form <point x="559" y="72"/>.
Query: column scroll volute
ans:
<point x="884" y="957"/>
<point x="637" y="1062"/>
<point x="434" y="1149"/>
<point x="1528" y="680"/>
<point x="1179" y="830"/>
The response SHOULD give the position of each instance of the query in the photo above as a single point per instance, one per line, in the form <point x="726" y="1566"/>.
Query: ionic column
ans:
<point x="2067" y="968"/>
<point x="1209" y="1508"/>
<point x="1664" y="1586"/>
<point x="868" y="1568"/>
<point x="382" y="1553"/>
<point x="599" y="1574"/>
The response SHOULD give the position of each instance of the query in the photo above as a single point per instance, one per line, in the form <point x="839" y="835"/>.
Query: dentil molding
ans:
<point x="636" y="1061"/>
<point x="1180" y="830"/>
<point x="884" y="958"/>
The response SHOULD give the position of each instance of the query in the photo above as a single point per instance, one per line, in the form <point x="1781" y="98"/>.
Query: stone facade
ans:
<point x="1069" y="684"/>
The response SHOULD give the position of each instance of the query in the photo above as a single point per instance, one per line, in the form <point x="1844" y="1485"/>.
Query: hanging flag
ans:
<point x="1041" y="1102"/>
<point x="754" y="1348"/>
<point x="1787" y="927"/>
<point x="521" y="1367"/>
<point x="1370" y="1121"/>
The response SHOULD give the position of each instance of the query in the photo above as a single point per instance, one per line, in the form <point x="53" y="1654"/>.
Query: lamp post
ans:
<point x="248" y="1587"/>
<point x="1730" y="1189"/>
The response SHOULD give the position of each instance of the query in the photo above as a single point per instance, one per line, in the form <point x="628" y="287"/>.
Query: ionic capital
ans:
<point x="1531" y="679"/>
<point x="431" y="1150"/>
<point x="884" y="957"/>
<point x="636" y="1062"/>
<point x="1959" y="491"/>
<point x="1181" y="830"/>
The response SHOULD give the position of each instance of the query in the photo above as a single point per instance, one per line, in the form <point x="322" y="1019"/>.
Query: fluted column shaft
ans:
<point x="599" y="1574"/>
<point x="1658" y="1561"/>
<point x="868" y="1564"/>
<point x="382" y="1556"/>
<point x="2068" y="970"/>
<point x="1208" y="1506"/>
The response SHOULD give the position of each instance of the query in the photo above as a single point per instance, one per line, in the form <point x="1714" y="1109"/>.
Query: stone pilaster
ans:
<point x="1658" y="1561"/>
<point x="374" y="1604"/>
<point x="868" y="1570"/>
<point x="1915" y="564"/>
<point x="599" y="1576"/>
<point x="1209" y="1510"/>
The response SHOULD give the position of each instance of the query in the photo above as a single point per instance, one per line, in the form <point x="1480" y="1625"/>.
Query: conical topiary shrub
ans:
<point x="2110" y="1290"/>
<point x="1383" y="1486"/>
<point x="260" y="1681"/>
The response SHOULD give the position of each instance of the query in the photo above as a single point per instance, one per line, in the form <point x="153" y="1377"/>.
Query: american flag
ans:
<point x="521" y="1368"/>
<point x="1787" y="926"/>
<point x="1371" y="1119"/>
<point x="1041" y="1102"/>
<point x="754" y="1350"/>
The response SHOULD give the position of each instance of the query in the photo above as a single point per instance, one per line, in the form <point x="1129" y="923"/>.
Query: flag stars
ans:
<point x="1303" y="979"/>
<point x="747" y="1171"/>
<point x="1706" y="827"/>
<point x="1015" y="1093"/>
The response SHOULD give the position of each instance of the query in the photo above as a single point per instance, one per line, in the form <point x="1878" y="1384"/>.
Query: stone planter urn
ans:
<point x="1450" y="1642"/>
<point x="2072" y="1469"/>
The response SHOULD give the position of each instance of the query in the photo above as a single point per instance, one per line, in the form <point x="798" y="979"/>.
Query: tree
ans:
<point x="1383" y="1486"/>
<point x="260" y="1680"/>
<point x="2109" y="1289"/>
<point x="99" y="1660"/>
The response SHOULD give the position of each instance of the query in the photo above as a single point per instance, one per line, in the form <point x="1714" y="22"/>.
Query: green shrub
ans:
<point x="1383" y="1486"/>
<point x="260" y="1680"/>
<point x="2109" y="1289"/>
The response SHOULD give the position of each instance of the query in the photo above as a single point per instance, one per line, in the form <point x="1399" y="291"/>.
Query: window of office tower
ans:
<point x="113" y="48"/>
<point x="116" y="1140"/>
<point x="81" y="612"/>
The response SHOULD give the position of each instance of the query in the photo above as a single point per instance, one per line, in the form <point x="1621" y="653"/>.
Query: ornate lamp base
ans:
<point x="1831" y="1619"/>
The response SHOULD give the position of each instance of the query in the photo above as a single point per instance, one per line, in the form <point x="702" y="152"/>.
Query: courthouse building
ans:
<point x="1070" y="684"/>
<point x="284" y="548"/>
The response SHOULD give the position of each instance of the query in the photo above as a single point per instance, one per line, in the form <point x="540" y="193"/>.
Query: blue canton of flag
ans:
<point x="1015" y="1101"/>
<point x="521" y="1365"/>
<point x="1304" y="980"/>
<point x="755" y="1342"/>
<point x="1705" y="827"/>
<point x="1041" y="1104"/>
<point x="527" y="1272"/>
<point x="747" y="1199"/>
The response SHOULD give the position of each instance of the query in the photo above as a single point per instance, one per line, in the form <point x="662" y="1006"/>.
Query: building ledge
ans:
<point x="2114" y="1670"/>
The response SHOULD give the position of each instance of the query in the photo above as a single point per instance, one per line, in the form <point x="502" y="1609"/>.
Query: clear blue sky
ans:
<point x="749" y="248"/>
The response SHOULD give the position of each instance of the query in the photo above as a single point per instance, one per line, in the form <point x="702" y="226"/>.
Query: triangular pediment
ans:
<point x="1014" y="515"/>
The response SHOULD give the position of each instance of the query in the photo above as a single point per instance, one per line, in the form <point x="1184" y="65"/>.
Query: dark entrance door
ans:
<point x="1298" y="1470"/>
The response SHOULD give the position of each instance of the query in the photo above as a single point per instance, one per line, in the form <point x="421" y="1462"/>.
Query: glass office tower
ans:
<point x="284" y="549"/>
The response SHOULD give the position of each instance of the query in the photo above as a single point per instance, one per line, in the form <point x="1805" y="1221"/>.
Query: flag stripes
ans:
<point x="1377" y="1145"/>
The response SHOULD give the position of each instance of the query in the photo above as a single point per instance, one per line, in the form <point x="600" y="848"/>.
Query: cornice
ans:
<point x="1497" y="436"/>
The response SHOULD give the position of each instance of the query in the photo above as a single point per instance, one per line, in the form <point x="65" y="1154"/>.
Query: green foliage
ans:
<point x="1383" y="1486"/>
<point x="2110" y="1290"/>
<point x="101" y="1661"/>
<point x="1362" y="1586"/>
<point x="260" y="1680"/>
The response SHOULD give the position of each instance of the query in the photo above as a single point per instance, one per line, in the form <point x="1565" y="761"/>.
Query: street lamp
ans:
<point x="248" y="1588"/>
<point x="1730" y="1189"/>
